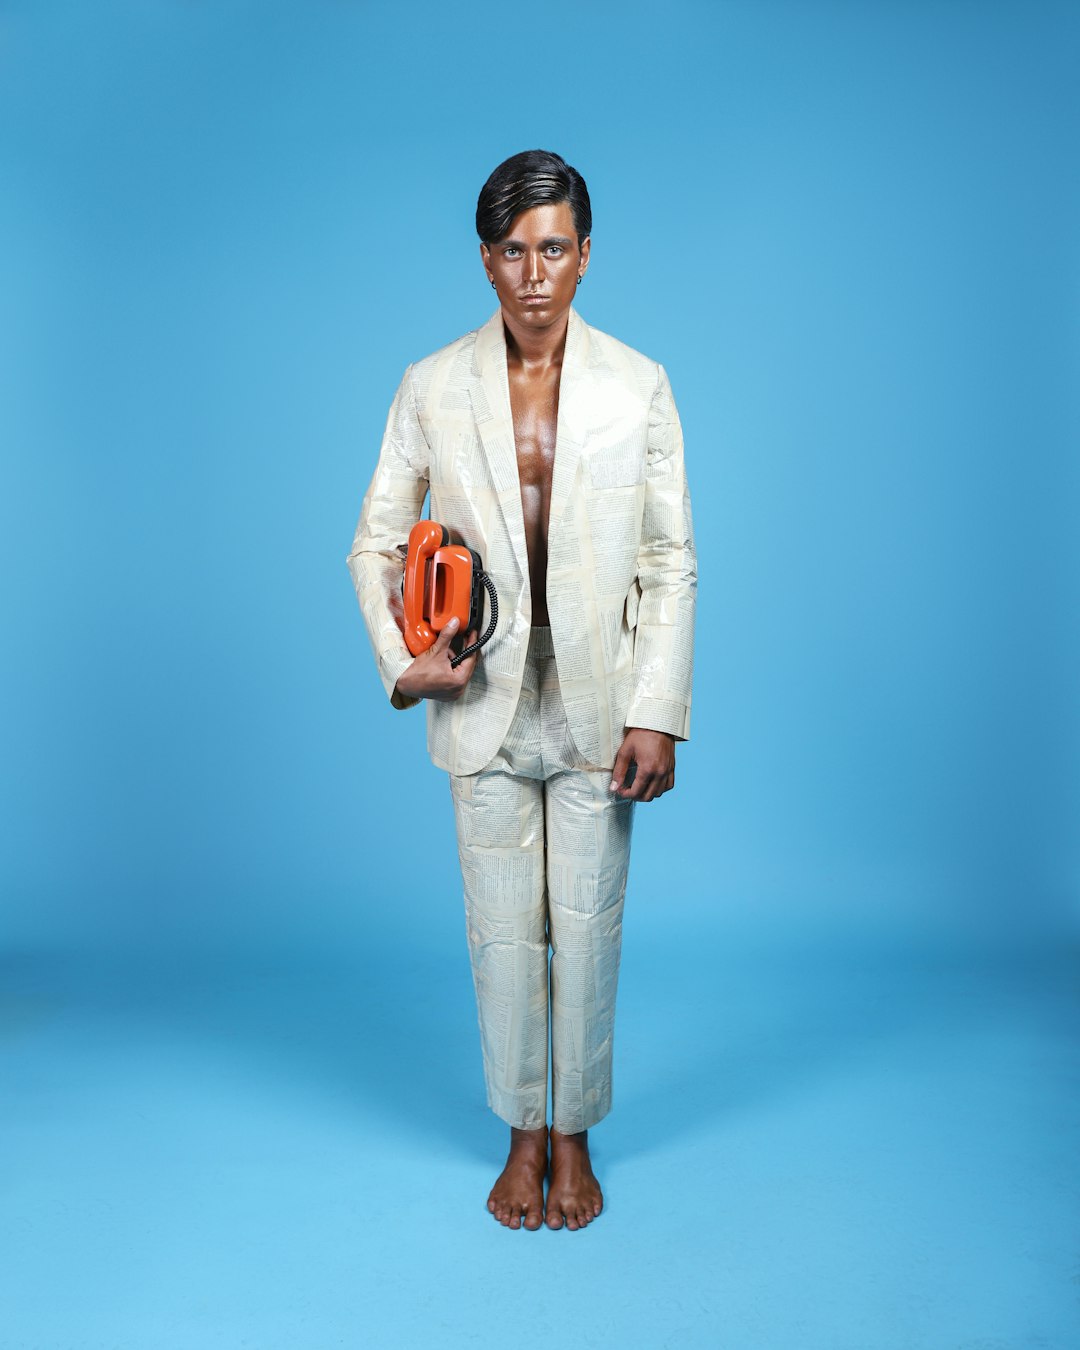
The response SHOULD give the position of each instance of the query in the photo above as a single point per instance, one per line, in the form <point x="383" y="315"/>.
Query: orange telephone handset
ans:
<point x="425" y="538"/>
<point x="443" y="581"/>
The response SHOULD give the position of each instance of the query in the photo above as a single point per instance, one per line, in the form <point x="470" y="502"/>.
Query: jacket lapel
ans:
<point x="489" y="392"/>
<point x="574" y="385"/>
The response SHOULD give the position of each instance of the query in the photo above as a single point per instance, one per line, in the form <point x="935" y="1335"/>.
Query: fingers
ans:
<point x="660" y="784"/>
<point x="445" y="634"/>
<point x="464" y="669"/>
<point x="621" y="769"/>
<point x="432" y="675"/>
<point x="664" y="783"/>
<point x="648" y="784"/>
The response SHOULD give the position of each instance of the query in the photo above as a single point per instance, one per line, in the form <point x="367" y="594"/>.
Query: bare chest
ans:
<point x="535" y="408"/>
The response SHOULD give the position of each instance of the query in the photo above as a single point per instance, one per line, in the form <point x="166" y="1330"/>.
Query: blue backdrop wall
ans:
<point x="848" y="232"/>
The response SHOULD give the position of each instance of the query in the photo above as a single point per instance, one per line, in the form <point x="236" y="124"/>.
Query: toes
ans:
<point x="513" y="1214"/>
<point x="574" y="1215"/>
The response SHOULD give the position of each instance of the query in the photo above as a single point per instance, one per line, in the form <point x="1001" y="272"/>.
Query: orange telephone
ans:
<point x="442" y="581"/>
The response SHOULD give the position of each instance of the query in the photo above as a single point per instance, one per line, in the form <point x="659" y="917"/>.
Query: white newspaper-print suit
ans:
<point x="530" y="743"/>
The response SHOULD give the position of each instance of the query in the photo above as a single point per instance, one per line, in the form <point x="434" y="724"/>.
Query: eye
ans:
<point x="555" y="249"/>
<point x="508" y="251"/>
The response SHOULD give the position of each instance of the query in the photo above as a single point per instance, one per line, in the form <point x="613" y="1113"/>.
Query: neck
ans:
<point x="536" y="347"/>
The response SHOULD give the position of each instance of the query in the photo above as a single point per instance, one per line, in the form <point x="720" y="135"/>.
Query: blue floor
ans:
<point x="813" y="1146"/>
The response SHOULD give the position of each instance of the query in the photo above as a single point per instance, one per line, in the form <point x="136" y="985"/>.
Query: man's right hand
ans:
<point x="431" y="675"/>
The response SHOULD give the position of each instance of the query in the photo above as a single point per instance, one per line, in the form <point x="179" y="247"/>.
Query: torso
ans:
<point x="534" y="402"/>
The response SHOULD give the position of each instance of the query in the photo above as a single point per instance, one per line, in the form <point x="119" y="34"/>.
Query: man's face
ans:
<point x="536" y="267"/>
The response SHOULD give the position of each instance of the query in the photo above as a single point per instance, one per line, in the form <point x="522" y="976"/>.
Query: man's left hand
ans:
<point x="645" y="765"/>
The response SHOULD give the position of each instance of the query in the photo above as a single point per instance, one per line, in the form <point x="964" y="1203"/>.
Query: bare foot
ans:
<point x="518" y="1194"/>
<point x="574" y="1194"/>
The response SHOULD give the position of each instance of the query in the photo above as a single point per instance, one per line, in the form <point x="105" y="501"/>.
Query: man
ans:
<point x="555" y="452"/>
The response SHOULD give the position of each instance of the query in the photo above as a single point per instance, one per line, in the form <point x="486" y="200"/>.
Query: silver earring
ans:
<point x="580" y="275"/>
<point x="492" y="280"/>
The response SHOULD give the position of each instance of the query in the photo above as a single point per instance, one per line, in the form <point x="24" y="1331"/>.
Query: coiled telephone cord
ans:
<point x="463" y="655"/>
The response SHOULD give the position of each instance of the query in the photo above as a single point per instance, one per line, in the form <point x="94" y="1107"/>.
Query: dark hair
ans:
<point x="532" y="178"/>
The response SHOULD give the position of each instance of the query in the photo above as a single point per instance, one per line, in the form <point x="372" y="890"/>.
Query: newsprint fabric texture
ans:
<point x="622" y="569"/>
<point x="544" y="851"/>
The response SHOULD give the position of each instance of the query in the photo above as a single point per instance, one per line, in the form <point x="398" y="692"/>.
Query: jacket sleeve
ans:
<point x="390" y="509"/>
<point x="666" y="578"/>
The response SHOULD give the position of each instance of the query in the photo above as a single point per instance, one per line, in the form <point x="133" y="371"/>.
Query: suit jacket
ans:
<point x="622" y="570"/>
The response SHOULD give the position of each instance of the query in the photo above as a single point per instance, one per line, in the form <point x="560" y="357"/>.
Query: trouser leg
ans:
<point x="588" y="858"/>
<point x="500" y="827"/>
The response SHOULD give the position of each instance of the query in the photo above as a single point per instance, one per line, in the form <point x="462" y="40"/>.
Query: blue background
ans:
<point x="244" y="1066"/>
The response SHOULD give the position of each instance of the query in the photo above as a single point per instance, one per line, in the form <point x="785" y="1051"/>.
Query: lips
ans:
<point x="535" y="295"/>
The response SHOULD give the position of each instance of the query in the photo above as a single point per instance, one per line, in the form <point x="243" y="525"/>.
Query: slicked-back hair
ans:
<point x="532" y="178"/>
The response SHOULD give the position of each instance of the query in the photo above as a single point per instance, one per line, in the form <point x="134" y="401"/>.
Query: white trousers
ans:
<point x="544" y="851"/>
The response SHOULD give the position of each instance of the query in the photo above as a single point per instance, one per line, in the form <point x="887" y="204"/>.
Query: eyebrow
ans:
<point x="551" y="239"/>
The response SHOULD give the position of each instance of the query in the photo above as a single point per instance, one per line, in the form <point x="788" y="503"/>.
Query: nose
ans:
<point x="534" y="267"/>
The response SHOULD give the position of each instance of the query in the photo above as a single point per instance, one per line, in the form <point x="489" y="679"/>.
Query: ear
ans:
<point x="585" y="253"/>
<point x="485" y="255"/>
